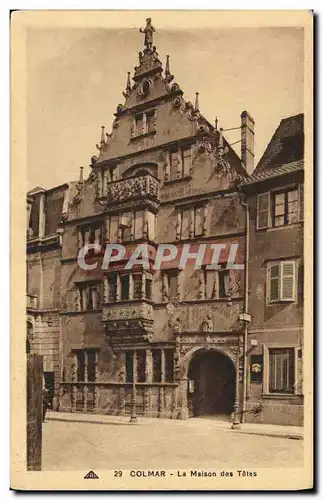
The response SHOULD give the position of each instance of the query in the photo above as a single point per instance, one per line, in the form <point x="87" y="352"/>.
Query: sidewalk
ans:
<point x="281" y="431"/>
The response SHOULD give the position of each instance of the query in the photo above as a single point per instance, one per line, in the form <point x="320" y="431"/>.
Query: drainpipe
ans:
<point x="246" y="316"/>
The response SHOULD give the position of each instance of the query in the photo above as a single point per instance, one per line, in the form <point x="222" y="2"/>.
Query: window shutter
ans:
<point x="107" y="231"/>
<point x="96" y="297"/>
<point x="273" y="284"/>
<point x="114" y="229"/>
<point x="97" y="237"/>
<point x="198" y="222"/>
<point x="186" y="223"/>
<point x="86" y="237"/>
<point x="301" y="201"/>
<point x="173" y="286"/>
<point x="186" y="162"/>
<point x="287" y="281"/>
<point x="139" y="225"/>
<point x="263" y="210"/>
<point x="173" y="165"/>
<point x="211" y="291"/>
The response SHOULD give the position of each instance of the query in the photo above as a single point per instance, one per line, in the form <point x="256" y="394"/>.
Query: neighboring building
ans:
<point x="275" y="196"/>
<point x="44" y="212"/>
<point x="169" y="340"/>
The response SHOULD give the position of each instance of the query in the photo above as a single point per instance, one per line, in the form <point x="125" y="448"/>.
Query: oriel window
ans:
<point x="124" y="282"/>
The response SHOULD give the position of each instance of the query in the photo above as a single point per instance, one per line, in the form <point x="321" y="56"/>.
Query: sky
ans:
<point x="76" y="75"/>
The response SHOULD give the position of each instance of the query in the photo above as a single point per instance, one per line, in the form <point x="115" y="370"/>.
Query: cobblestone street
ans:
<point x="161" y="444"/>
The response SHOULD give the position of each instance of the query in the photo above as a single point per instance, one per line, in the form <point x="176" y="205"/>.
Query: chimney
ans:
<point x="247" y="141"/>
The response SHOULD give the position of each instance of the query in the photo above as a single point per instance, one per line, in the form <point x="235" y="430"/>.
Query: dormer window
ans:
<point x="178" y="164"/>
<point x="143" y="123"/>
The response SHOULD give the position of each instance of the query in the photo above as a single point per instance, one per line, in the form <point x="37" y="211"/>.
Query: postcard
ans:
<point x="162" y="229"/>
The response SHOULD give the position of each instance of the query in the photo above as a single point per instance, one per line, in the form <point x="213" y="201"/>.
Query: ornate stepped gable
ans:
<point x="152" y="86"/>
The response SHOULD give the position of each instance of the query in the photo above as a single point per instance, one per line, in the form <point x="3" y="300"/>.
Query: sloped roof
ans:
<point x="286" y="145"/>
<point x="35" y="190"/>
<point x="265" y="174"/>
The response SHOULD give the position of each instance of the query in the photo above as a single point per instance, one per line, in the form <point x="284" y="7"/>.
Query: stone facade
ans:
<point x="115" y="337"/>
<point x="277" y="322"/>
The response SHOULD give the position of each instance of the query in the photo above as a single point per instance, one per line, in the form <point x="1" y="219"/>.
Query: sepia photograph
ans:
<point x="162" y="169"/>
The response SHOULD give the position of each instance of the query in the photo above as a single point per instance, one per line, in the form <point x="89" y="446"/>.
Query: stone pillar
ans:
<point x="182" y="399"/>
<point x="204" y="220"/>
<point x="144" y="123"/>
<point x="131" y="286"/>
<point x="149" y="366"/>
<point x="86" y="237"/>
<point x="107" y="230"/>
<point x="105" y="181"/>
<point x="192" y="222"/>
<point x="78" y="300"/>
<point x="97" y="237"/>
<point x="119" y="236"/>
<point x="178" y="224"/>
<point x="79" y="239"/>
<point x="133" y="127"/>
<point x="167" y="166"/>
<point x="143" y="285"/>
<point x="202" y="284"/>
<point x="165" y="287"/>
<point x="179" y="163"/>
<point x="118" y="291"/>
<point x="135" y="366"/>
<point x="105" y="289"/>
<point x="145" y="228"/>
<point x="162" y="354"/>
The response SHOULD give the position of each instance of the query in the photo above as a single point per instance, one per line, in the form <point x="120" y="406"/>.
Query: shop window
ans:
<point x="281" y="370"/>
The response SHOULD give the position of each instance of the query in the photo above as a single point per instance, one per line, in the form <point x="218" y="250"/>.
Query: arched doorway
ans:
<point x="211" y="384"/>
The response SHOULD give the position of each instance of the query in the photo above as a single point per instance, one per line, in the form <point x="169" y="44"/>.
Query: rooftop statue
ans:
<point x="148" y="30"/>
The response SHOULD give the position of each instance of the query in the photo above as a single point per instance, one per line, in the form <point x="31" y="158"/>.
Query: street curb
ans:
<point x="296" y="437"/>
<point x="101" y="422"/>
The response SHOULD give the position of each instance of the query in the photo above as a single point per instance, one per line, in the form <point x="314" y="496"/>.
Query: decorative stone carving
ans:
<point x="217" y="152"/>
<point x="177" y="102"/>
<point x="135" y="187"/>
<point x="127" y="311"/>
<point x="145" y="87"/>
<point x="94" y="159"/>
<point x="148" y="63"/>
<point x="64" y="216"/>
<point x="78" y="196"/>
<point x="207" y="325"/>
<point x="64" y="302"/>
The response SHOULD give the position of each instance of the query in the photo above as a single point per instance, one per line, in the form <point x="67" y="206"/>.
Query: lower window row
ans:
<point x="279" y="369"/>
<point x="162" y="365"/>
